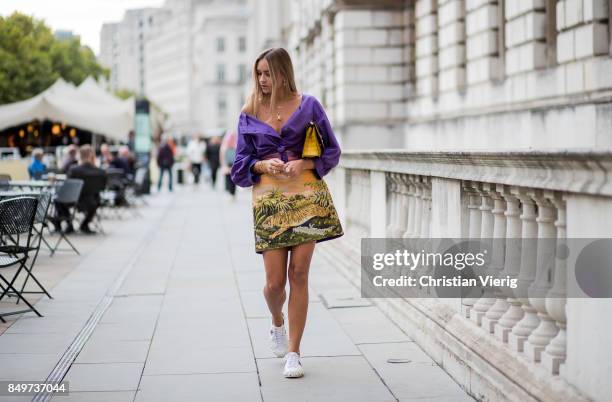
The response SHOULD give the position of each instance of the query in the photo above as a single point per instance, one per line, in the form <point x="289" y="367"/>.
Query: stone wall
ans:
<point x="459" y="74"/>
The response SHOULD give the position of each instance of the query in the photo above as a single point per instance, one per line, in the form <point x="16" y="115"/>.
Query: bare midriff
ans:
<point x="291" y="156"/>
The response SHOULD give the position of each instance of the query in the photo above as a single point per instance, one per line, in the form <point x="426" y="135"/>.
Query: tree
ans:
<point x="31" y="58"/>
<point x="125" y="93"/>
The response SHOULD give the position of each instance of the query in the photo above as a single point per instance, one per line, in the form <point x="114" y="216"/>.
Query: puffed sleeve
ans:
<point x="241" y="173"/>
<point x="331" y="154"/>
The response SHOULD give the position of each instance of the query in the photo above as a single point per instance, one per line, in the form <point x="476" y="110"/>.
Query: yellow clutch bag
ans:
<point x="313" y="143"/>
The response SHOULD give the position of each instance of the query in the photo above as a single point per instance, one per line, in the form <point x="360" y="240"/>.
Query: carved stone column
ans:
<point x="547" y="242"/>
<point x="393" y="202"/>
<point x="426" y="208"/>
<point x="402" y="215"/>
<point x="555" y="353"/>
<point x="474" y="226"/>
<point x="411" y="206"/>
<point x="530" y="321"/>
<point x="500" y="305"/>
<point x="486" y="234"/>
<point x="418" y="210"/>
<point x="512" y="265"/>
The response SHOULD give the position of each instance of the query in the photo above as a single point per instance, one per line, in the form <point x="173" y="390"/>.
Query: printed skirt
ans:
<point x="287" y="212"/>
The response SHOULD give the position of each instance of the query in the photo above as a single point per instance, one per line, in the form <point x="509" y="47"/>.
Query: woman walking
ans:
<point x="285" y="146"/>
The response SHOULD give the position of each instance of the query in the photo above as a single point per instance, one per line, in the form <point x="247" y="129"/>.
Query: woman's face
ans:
<point x="263" y="76"/>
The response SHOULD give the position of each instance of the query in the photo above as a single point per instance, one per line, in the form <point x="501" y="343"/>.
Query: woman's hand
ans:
<point x="274" y="166"/>
<point x="295" y="168"/>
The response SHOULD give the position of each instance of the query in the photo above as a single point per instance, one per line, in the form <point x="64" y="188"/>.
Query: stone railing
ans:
<point x="513" y="195"/>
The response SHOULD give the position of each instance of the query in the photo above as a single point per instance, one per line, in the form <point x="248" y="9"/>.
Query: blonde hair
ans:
<point x="86" y="153"/>
<point x="279" y="63"/>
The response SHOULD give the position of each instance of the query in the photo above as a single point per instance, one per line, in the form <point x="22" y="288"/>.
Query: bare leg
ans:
<point x="299" y="265"/>
<point x="275" y="262"/>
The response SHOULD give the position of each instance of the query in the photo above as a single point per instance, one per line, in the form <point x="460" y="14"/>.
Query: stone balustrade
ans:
<point x="511" y="195"/>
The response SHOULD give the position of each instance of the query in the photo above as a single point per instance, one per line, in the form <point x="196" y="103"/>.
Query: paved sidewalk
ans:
<point x="169" y="308"/>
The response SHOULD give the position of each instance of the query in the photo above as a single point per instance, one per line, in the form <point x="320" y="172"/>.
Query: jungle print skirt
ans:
<point x="287" y="212"/>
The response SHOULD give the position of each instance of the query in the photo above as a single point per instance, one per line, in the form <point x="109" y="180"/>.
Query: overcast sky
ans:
<point x="83" y="17"/>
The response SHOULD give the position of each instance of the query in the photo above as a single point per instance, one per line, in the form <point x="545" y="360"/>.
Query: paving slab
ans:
<point x="111" y="351"/>
<point x="243" y="387"/>
<point x="99" y="396"/>
<point x="414" y="375"/>
<point x="104" y="376"/>
<point x="342" y="378"/>
<point x="368" y="325"/>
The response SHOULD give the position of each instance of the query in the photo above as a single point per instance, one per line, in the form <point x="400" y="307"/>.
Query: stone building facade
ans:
<point x="122" y="49"/>
<point x="474" y="118"/>
<point x="432" y="75"/>
<point x="188" y="56"/>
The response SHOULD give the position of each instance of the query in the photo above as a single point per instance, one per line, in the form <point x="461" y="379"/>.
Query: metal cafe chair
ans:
<point x="136" y="188"/>
<point x="4" y="181"/>
<point x="40" y="223"/>
<point x="16" y="227"/>
<point x="113" y="197"/>
<point x="68" y="194"/>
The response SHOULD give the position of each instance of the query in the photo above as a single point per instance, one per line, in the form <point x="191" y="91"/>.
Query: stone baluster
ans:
<point x="418" y="210"/>
<point x="474" y="225"/>
<point x="486" y="234"/>
<point x="500" y="305"/>
<point x="512" y="265"/>
<point x="365" y="201"/>
<point x="350" y="199"/>
<point x="411" y="206"/>
<point x="426" y="208"/>
<point x="530" y="321"/>
<point x="402" y="216"/>
<point x="556" y="299"/>
<point x="360" y="202"/>
<point x="355" y="201"/>
<point x="465" y="217"/>
<point x="391" y="202"/>
<point x="547" y="242"/>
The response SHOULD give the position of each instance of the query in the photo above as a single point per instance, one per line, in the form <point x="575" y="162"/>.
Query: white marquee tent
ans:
<point x="88" y="107"/>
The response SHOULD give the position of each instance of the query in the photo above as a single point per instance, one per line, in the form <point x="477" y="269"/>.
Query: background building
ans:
<point x="63" y="34"/>
<point x="122" y="50"/>
<point x="189" y="57"/>
<point x="221" y="64"/>
<point x="169" y="56"/>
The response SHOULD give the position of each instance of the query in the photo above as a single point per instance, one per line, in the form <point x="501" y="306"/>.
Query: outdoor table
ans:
<point x="33" y="184"/>
<point x="12" y="194"/>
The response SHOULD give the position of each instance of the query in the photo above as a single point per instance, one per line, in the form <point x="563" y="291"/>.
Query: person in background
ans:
<point x="94" y="181"/>
<point x="70" y="158"/>
<point x="37" y="168"/>
<point x="127" y="159"/>
<point x="165" y="161"/>
<point x="131" y="141"/>
<point x="212" y="157"/>
<point x="172" y="144"/>
<point x="227" y="154"/>
<point x="105" y="156"/>
<point x="195" y="152"/>
<point x="117" y="162"/>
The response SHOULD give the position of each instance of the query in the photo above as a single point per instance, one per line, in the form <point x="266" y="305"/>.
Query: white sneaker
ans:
<point x="278" y="340"/>
<point x="293" y="367"/>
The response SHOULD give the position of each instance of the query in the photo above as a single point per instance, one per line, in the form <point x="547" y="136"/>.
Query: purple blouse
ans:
<point x="258" y="140"/>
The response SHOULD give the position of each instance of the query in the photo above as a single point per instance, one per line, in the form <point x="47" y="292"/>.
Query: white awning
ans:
<point x="88" y="107"/>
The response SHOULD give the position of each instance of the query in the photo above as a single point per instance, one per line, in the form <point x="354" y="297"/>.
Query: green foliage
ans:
<point x="31" y="58"/>
<point x="125" y="93"/>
